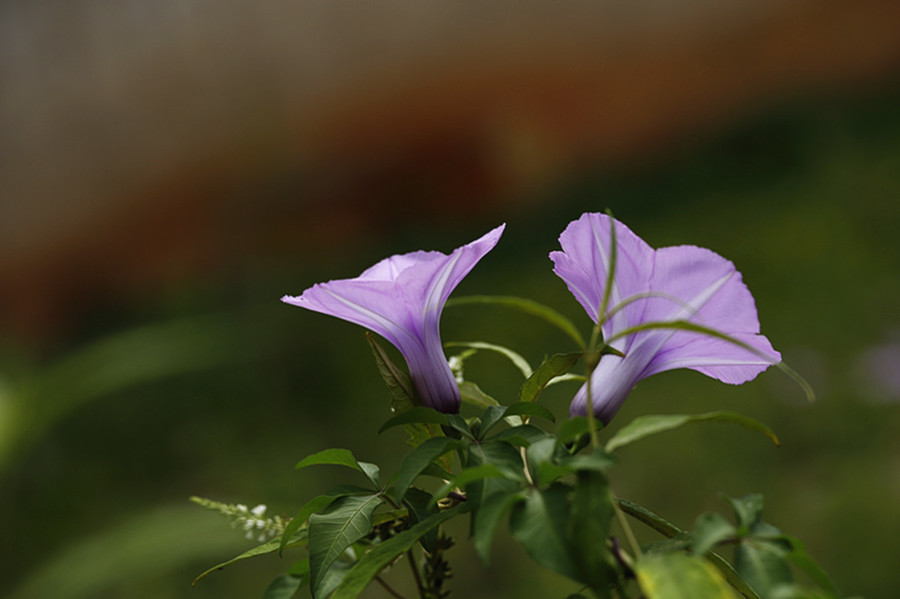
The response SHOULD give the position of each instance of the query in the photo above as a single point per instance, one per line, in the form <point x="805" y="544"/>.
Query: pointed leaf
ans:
<point x="283" y="587"/>
<point x="680" y="576"/>
<point x="517" y="360"/>
<point x="592" y="512"/>
<point x="373" y="562"/>
<point x="348" y="520"/>
<point x="487" y="517"/>
<point x="709" y="529"/>
<point x="491" y="416"/>
<point x="524" y="408"/>
<point x="645" y="426"/>
<point x="540" y="525"/>
<point x="317" y="504"/>
<point x="337" y="457"/>
<point x="571" y="429"/>
<point x="419" y="458"/>
<point x="669" y="530"/>
<point x="272" y="546"/>
<point x="552" y="367"/>
<point x="747" y="510"/>
<point x="528" y="306"/>
<point x="762" y="563"/>
<point x="800" y="558"/>
<point x="522" y="435"/>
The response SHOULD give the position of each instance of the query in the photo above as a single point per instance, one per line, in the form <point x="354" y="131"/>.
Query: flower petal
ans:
<point x="401" y="298"/>
<point x="583" y="265"/>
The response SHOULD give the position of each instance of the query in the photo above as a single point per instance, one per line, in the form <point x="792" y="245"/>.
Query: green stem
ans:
<point x="416" y="575"/>
<point x="626" y="528"/>
<point x="388" y="587"/>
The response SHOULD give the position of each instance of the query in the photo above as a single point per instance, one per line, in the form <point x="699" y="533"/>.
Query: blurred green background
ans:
<point x="154" y="216"/>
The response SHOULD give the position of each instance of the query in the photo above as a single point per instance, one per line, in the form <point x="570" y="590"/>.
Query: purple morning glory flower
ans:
<point x="401" y="299"/>
<point x="669" y="284"/>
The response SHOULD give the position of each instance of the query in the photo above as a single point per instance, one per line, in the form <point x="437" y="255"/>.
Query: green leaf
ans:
<point x="348" y="520"/>
<point x="268" y="547"/>
<point x="747" y="510"/>
<point x="459" y="424"/>
<point x="283" y="587"/>
<point x="474" y="396"/>
<point x="487" y="517"/>
<point x="491" y="416"/>
<point x="570" y="430"/>
<point x="709" y="529"/>
<point x="519" y="362"/>
<point x="596" y="461"/>
<point x="415" y="415"/>
<point x="680" y="576"/>
<point x="762" y="564"/>
<point x="669" y="530"/>
<point x="645" y="426"/>
<point x="337" y="457"/>
<point x="419" y="458"/>
<point x="540" y="525"/>
<point x="420" y="507"/>
<point x="540" y="460"/>
<point x="592" y="512"/>
<point x="800" y="558"/>
<point x="522" y="435"/>
<point x="373" y="562"/>
<point x="551" y="368"/>
<point x="529" y="307"/>
<point x="317" y="504"/>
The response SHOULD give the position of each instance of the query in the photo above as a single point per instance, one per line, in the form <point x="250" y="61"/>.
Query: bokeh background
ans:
<point x="169" y="169"/>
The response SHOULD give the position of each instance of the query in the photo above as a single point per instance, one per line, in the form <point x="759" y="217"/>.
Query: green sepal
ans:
<point x="551" y="368"/>
<point x="401" y="390"/>
<point x="680" y="576"/>
<point x="645" y="426"/>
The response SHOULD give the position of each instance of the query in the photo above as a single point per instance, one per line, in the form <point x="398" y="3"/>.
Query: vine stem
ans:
<point x="629" y="534"/>
<point x="388" y="587"/>
<point x="416" y="575"/>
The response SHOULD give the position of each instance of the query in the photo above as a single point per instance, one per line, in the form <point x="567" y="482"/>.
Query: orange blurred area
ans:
<point x="144" y="144"/>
